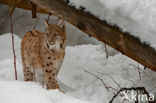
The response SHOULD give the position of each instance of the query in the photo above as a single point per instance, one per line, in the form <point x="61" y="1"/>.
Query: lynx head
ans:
<point x="54" y="36"/>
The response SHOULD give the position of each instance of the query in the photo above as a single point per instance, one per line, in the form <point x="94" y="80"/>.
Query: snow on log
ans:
<point x="111" y="35"/>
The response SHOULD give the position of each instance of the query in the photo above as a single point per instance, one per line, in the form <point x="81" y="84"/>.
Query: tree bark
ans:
<point x="24" y="4"/>
<point x="111" y="35"/>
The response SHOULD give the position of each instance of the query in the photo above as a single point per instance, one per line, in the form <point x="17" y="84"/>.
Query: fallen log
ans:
<point x="111" y="35"/>
<point x="24" y="4"/>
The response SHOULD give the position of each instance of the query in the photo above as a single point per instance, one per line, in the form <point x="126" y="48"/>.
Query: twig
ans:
<point x="13" y="48"/>
<point x="33" y="6"/>
<point x="136" y="67"/>
<point x="116" y="90"/>
<point x="112" y="88"/>
<point x="132" y="82"/>
<point x="97" y="78"/>
<point x="106" y="51"/>
<point x="12" y="10"/>
<point x="139" y="72"/>
<point x="112" y="79"/>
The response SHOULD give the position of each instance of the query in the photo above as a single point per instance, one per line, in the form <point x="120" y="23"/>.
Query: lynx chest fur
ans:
<point x="44" y="50"/>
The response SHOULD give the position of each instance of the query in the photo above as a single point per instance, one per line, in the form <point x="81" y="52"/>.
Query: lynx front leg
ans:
<point x="28" y="74"/>
<point x="50" y="79"/>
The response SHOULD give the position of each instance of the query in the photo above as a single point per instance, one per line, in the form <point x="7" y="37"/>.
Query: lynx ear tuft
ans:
<point x="46" y="23"/>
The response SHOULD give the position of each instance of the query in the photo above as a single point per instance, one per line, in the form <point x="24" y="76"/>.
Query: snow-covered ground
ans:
<point x="78" y="85"/>
<point x="134" y="16"/>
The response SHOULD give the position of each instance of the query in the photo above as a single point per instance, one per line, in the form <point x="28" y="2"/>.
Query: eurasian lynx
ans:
<point x="44" y="50"/>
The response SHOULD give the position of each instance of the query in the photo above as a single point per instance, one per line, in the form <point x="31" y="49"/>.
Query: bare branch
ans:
<point x="106" y="51"/>
<point x="33" y="6"/>
<point x="97" y="78"/>
<point x="139" y="72"/>
<point x="112" y="79"/>
<point x="13" y="47"/>
<point x="132" y="82"/>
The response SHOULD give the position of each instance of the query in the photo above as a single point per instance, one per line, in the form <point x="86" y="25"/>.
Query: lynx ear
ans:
<point x="46" y="23"/>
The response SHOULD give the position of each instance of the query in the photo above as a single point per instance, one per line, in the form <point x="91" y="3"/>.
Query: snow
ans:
<point x="134" y="16"/>
<point x="22" y="92"/>
<point x="78" y="85"/>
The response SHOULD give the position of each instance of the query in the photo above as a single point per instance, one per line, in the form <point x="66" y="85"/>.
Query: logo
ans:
<point x="140" y="97"/>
